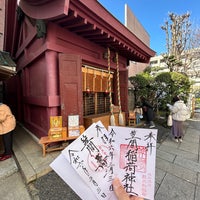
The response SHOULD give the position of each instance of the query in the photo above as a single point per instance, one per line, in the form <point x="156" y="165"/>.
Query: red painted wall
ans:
<point x="38" y="77"/>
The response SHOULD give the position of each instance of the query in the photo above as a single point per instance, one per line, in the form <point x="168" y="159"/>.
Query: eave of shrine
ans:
<point x="90" y="20"/>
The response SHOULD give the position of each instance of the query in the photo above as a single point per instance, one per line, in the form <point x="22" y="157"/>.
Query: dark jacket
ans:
<point x="148" y="110"/>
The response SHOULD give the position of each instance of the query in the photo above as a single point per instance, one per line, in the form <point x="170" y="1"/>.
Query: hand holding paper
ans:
<point x="121" y="193"/>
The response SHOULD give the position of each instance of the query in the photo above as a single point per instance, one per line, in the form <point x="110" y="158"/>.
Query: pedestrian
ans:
<point x="7" y="125"/>
<point x="120" y="192"/>
<point x="179" y="114"/>
<point x="138" y="113"/>
<point x="148" y="112"/>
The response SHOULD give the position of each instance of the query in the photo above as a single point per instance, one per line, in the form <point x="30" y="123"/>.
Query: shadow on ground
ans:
<point x="163" y="132"/>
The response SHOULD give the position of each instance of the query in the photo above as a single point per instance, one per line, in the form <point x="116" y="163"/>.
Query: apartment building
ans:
<point x="193" y="72"/>
<point x="193" y="69"/>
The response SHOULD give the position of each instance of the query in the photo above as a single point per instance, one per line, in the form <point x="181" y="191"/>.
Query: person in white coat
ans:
<point x="179" y="114"/>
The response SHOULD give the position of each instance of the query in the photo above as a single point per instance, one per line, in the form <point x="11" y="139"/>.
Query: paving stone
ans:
<point x="174" y="188"/>
<point x="195" y="125"/>
<point x="189" y="147"/>
<point x="198" y="179"/>
<point x="197" y="193"/>
<point x="193" y="166"/>
<point x="170" y="143"/>
<point x="158" y="145"/>
<point x="176" y="170"/>
<point x="176" y="151"/>
<point x="165" y="155"/>
<point x="28" y="171"/>
<point x="160" y="174"/>
<point x="13" y="188"/>
<point x="7" y="168"/>
<point x="156" y="187"/>
<point x="192" y="136"/>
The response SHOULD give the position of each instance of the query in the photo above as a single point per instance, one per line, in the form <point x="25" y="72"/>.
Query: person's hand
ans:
<point x="120" y="192"/>
<point x="168" y="105"/>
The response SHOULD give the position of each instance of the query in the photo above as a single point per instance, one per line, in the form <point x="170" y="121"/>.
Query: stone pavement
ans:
<point x="177" y="168"/>
<point x="27" y="165"/>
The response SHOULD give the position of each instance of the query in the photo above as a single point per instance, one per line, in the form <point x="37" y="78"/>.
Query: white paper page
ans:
<point x="134" y="159"/>
<point x="62" y="167"/>
<point x="99" y="155"/>
<point x="90" y="155"/>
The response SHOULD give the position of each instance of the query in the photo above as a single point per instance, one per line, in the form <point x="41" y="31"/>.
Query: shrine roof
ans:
<point x="90" y="20"/>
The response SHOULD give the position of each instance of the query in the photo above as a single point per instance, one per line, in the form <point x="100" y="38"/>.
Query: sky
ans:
<point x="152" y="14"/>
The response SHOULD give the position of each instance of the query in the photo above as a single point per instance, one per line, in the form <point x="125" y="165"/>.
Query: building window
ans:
<point x="153" y="62"/>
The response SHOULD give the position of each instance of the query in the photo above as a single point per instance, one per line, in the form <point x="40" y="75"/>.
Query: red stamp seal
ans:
<point x="99" y="160"/>
<point x="133" y="156"/>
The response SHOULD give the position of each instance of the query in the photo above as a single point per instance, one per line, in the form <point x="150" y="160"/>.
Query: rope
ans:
<point x="118" y="86"/>
<point x="121" y="120"/>
<point x="112" y="118"/>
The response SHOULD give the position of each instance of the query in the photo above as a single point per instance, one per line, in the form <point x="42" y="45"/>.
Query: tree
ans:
<point x="192" y="55"/>
<point x="170" y="84"/>
<point x="177" y="30"/>
<point x="182" y="43"/>
<point x="160" y="89"/>
<point x="143" y="84"/>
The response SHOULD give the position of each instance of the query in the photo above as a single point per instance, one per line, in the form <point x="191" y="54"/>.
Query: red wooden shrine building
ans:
<point x="61" y="48"/>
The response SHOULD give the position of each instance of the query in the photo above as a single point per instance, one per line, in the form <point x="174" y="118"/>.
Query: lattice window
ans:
<point x="88" y="104"/>
<point x="95" y="103"/>
<point x="102" y="103"/>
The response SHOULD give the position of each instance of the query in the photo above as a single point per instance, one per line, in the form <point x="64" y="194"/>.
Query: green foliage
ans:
<point x="160" y="89"/>
<point x="197" y="102"/>
<point x="181" y="84"/>
<point x="163" y="82"/>
<point x="143" y="84"/>
<point x="157" y="69"/>
<point x="139" y="81"/>
<point x="171" y="84"/>
<point x="148" y="70"/>
<point x="172" y="62"/>
<point x="163" y="77"/>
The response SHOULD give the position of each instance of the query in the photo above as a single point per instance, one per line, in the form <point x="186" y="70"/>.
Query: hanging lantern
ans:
<point x="88" y="91"/>
<point x="106" y="93"/>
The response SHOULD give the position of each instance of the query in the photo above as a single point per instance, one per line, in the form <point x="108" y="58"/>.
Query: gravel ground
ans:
<point x="51" y="187"/>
